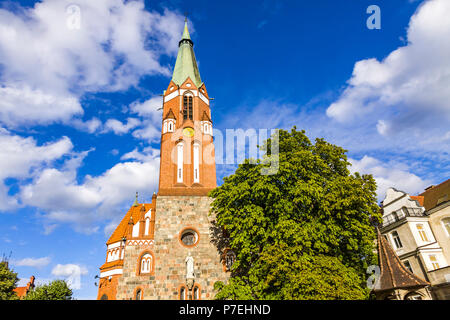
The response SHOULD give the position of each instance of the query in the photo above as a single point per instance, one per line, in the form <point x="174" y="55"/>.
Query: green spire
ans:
<point x="135" y="204"/>
<point x="185" y="31"/>
<point x="186" y="64"/>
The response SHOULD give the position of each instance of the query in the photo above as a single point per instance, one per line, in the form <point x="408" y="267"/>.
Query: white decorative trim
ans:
<point x="196" y="162"/>
<point x="147" y="226"/>
<point x="110" y="273"/>
<point x="140" y="242"/>
<point x="113" y="245"/>
<point x="205" y="100"/>
<point x="171" y="96"/>
<point x="136" y="230"/>
<point x="182" y="91"/>
<point x="180" y="162"/>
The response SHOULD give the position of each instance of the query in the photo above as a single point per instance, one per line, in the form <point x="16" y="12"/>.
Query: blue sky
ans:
<point x="79" y="125"/>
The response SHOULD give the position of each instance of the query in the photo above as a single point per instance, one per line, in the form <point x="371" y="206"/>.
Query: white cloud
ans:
<point x="21" y="105"/>
<point x="149" y="110"/>
<point x="120" y="128"/>
<point x="89" y="126"/>
<point x="96" y="199"/>
<point x="46" y="65"/>
<point x="391" y="174"/>
<point x="33" y="262"/>
<point x="147" y="154"/>
<point x="71" y="273"/>
<point x="21" y="158"/>
<point x="408" y="90"/>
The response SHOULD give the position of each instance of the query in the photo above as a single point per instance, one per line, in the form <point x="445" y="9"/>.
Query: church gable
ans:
<point x="121" y="230"/>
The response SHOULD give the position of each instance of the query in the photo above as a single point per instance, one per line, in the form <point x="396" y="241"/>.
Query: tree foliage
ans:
<point x="304" y="232"/>
<point x="8" y="282"/>
<point x="55" y="290"/>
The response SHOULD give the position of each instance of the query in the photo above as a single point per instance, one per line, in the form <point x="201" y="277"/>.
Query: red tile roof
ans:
<point x="418" y="198"/>
<point x="435" y="194"/>
<point x="121" y="229"/>
<point x="393" y="274"/>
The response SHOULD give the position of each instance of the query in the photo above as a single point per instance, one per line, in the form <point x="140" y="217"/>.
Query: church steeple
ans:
<point x="187" y="165"/>
<point x="186" y="64"/>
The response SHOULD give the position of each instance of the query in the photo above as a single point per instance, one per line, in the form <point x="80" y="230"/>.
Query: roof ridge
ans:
<point x="399" y="276"/>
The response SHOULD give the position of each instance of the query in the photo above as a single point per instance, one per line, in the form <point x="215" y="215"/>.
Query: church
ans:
<point x="163" y="249"/>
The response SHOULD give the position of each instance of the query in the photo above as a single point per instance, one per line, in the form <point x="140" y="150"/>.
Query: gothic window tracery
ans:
<point x="146" y="264"/>
<point x="187" y="107"/>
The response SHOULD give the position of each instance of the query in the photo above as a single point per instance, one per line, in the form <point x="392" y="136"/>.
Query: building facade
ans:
<point x="418" y="230"/>
<point x="163" y="249"/>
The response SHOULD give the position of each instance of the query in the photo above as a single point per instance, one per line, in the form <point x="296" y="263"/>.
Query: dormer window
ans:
<point x="187" y="107"/>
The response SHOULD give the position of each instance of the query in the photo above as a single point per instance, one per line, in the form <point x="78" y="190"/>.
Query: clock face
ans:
<point x="188" y="132"/>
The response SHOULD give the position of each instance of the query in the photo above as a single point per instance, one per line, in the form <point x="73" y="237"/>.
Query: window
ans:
<point x="434" y="262"/>
<point x="147" y="226"/>
<point x="104" y="297"/>
<point x="189" y="237"/>
<point x="413" y="296"/>
<point x="397" y="241"/>
<point x="138" y="295"/>
<point x="230" y="257"/>
<point x="146" y="263"/>
<point x="196" y="162"/>
<point x="408" y="265"/>
<point x="422" y="233"/>
<point x="446" y="224"/>
<point x="180" y="163"/>
<point x="183" y="293"/>
<point x="187" y="107"/>
<point x="196" y="293"/>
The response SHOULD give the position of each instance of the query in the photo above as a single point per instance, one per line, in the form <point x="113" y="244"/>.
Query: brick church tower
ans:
<point x="163" y="249"/>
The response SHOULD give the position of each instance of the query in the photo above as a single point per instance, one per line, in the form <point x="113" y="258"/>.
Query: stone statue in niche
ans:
<point x="189" y="267"/>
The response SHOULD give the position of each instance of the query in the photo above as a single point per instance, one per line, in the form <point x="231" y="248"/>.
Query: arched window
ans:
<point x="180" y="162"/>
<point x="187" y="107"/>
<point x="146" y="264"/>
<point x="196" y="162"/>
<point x="422" y="233"/>
<point x="196" y="293"/>
<point x="104" y="297"/>
<point x="446" y="224"/>
<point x="183" y="293"/>
<point x="138" y="295"/>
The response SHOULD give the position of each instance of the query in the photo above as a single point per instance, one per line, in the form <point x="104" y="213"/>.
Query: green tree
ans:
<point x="55" y="290"/>
<point x="8" y="282"/>
<point x="304" y="232"/>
